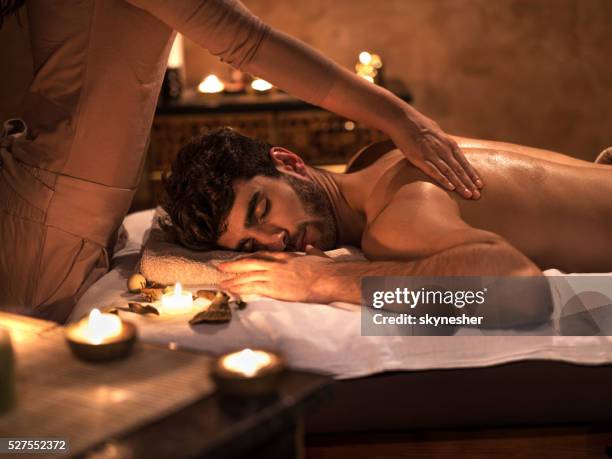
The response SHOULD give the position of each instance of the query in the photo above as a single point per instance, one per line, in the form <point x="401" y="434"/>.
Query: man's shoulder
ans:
<point x="369" y="155"/>
<point x="411" y="223"/>
<point x="413" y="194"/>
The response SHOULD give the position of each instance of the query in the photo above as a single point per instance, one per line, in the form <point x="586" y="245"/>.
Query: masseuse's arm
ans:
<point x="229" y="30"/>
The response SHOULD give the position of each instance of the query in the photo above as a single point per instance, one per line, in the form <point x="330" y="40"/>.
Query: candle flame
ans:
<point x="101" y="327"/>
<point x="260" y="85"/>
<point x="176" y="57"/>
<point x="247" y="361"/>
<point x="177" y="301"/>
<point x="211" y="84"/>
<point x="365" y="58"/>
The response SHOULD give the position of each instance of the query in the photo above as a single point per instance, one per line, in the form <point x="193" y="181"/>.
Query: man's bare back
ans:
<point x="554" y="209"/>
<point x="538" y="210"/>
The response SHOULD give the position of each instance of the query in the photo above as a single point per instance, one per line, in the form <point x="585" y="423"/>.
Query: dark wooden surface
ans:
<point x="60" y="396"/>
<point x="157" y="403"/>
<point x="220" y="427"/>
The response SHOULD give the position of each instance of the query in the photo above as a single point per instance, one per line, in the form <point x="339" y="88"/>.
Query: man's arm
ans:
<point x="315" y="278"/>
<point x="342" y="281"/>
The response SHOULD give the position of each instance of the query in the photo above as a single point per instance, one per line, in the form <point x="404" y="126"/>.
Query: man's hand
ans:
<point x="281" y="275"/>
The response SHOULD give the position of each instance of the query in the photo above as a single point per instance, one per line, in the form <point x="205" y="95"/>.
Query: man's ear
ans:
<point x="287" y="161"/>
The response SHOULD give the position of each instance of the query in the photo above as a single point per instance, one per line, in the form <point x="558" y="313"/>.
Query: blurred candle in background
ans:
<point x="260" y="85"/>
<point x="172" y="86"/>
<point x="365" y="58"/>
<point x="211" y="84"/>
<point x="176" y="60"/>
<point x="369" y="67"/>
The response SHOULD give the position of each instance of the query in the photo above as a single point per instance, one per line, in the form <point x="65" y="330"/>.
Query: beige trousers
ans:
<point x="53" y="233"/>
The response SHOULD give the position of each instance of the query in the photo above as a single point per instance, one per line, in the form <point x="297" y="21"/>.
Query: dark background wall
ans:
<point x="537" y="72"/>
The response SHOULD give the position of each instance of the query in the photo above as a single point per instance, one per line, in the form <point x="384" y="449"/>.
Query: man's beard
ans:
<point x="319" y="209"/>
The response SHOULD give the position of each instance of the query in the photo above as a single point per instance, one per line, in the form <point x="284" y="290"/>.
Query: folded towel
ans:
<point x="165" y="261"/>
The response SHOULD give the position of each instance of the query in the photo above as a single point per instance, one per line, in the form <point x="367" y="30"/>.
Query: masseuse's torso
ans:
<point x="559" y="215"/>
<point x="98" y="68"/>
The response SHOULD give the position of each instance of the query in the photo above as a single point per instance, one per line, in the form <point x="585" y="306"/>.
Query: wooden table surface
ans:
<point x="156" y="403"/>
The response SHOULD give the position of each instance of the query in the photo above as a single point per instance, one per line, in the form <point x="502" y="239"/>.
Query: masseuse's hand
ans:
<point x="430" y="149"/>
<point x="281" y="275"/>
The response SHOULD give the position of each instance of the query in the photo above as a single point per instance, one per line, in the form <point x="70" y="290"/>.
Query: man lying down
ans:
<point x="539" y="210"/>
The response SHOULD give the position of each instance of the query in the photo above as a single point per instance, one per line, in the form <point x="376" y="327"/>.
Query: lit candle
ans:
<point x="211" y="84"/>
<point x="365" y="58"/>
<point x="260" y="85"/>
<point x="176" y="57"/>
<point x="247" y="373"/>
<point x="99" y="328"/>
<point x="100" y="337"/>
<point x="368" y="66"/>
<point x="177" y="301"/>
<point x="247" y="362"/>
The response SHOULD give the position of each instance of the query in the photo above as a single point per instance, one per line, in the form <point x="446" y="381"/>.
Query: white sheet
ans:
<point x="328" y="339"/>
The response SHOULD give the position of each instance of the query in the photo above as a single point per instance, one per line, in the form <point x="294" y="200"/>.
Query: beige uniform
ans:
<point x="67" y="183"/>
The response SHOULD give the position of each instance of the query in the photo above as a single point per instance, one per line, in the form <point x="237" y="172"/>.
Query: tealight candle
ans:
<point x="100" y="336"/>
<point x="100" y="327"/>
<point x="261" y="85"/>
<point x="365" y="58"/>
<point x="249" y="372"/>
<point x="211" y="84"/>
<point x="177" y="301"/>
<point x="246" y="362"/>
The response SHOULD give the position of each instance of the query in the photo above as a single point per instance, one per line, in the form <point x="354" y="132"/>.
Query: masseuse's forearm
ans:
<point x="229" y="30"/>
<point x="304" y="72"/>
<point x="342" y="281"/>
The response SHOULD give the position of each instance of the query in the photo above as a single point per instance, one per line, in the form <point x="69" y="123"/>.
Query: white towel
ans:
<point x="165" y="261"/>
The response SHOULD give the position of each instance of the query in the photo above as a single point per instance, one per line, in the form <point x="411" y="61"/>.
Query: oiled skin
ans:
<point x="554" y="209"/>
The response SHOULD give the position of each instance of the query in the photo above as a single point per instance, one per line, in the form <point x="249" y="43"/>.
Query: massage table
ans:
<point x="393" y="383"/>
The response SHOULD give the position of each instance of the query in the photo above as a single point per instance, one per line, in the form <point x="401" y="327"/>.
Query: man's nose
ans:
<point x="275" y="241"/>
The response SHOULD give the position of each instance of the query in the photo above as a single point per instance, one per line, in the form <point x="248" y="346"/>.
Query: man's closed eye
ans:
<point x="263" y="209"/>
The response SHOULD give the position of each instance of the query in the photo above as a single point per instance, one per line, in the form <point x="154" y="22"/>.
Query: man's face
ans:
<point x="286" y="213"/>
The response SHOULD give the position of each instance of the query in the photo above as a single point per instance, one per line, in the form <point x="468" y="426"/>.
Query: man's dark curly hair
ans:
<point x="198" y="194"/>
<point x="8" y="7"/>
